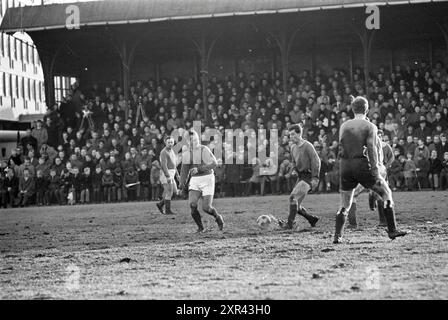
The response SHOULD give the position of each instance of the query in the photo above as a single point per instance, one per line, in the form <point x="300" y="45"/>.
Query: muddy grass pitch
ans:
<point x="130" y="251"/>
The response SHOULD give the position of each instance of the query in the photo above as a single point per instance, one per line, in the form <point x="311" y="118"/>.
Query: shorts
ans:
<point x="306" y="177"/>
<point x="354" y="171"/>
<point x="172" y="173"/>
<point x="205" y="184"/>
<point x="360" y="188"/>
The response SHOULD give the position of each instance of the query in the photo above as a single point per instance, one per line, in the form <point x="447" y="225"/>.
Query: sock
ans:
<point x="197" y="217"/>
<point x="389" y="214"/>
<point x="352" y="215"/>
<point x="167" y="205"/>
<point x="292" y="213"/>
<point x="341" y="217"/>
<point x="381" y="212"/>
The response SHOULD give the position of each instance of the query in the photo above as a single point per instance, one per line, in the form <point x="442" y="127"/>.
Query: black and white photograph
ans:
<point x="234" y="152"/>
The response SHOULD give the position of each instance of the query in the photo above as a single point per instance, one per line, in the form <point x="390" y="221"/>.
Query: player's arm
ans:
<point x="315" y="165"/>
<point x="390" y="156"/>
<point x="164" y="164"/>
<point x="372" y="148"/>
<point x="210" y="161"/>
<point x="184" y="169"/>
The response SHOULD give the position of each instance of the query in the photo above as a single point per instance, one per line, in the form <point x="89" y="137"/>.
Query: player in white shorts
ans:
<point x="168" y="165"/>
<point x="198" y="163"/>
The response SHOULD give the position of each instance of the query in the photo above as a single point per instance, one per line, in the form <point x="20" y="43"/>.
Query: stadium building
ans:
<point x="21" y="78"/>
<point x="95" y="41"/>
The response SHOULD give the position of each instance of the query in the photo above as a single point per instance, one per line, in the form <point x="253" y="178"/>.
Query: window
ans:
<point x="14" y="40"/>
<point x="2" y="46"/>
<point x="2" y="84"/>
<point x="33" y="90"/>
<point x="62" y="86"/>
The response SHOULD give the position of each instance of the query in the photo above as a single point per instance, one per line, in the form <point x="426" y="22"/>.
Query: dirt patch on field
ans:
<point x="128" y="251"/>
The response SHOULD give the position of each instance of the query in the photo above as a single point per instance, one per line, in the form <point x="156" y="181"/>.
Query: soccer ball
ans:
<point x="264" y="221"/>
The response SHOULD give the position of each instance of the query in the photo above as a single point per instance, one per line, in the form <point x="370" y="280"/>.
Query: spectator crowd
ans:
<point x="95" y="147"/>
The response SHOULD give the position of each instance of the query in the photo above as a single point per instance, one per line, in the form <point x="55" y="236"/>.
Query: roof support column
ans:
<point x="48" y="80"/>
<point x="48" y="54"/>
<point x="284" y="40"/>
<point x="366" y="41"/>
<point x="350" y="63"/>
<point x="204" y="49"/>
<point x="444" y="29"/>
<point x="125" y="73"/>
<point x="125" y="46"/>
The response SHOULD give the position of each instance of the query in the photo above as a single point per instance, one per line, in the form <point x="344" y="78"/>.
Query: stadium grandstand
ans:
<point x="136" y="72"/>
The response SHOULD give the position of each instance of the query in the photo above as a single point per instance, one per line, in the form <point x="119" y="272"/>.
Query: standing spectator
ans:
<point x="422" y="169"/>
<point x="41" y="188"/>
<point x="107" y="182"/>
<point x="85" y="186"/>
<point x="409" y="172"/>
<point x="26" y="188"/>
<point x="219" y="182"/>
<point x="40" y="134"/>
<point x="435" y="168"/>
<point x="144" y="177"/>
<point x="75" y="181"/>
<point x="117" y="189"/>
<point x="28" y="139"/>
<point x="96" y="184"/>
<point x="10" y="188"/>
<point x="232" y="174"/>
<point x="156" y="185"/>
<point x="65" y="185"/>
<point x="396" y="173"/>
<point x="54" y="188"/>
<point x="444" y="172"/>
<point x="131" y="187"/>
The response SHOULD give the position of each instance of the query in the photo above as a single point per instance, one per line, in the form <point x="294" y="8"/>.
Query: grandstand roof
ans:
<point x="116" y="12"/>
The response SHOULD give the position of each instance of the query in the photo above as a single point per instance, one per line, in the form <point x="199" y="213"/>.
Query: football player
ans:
<point x="198" y="162"/>
<point x="168" y="165"/>
<point x="356" y="167"/>
<point x="306" y="167"/>
<point x="386" y="157"/>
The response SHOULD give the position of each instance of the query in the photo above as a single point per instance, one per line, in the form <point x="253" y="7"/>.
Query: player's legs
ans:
<point x="161" y="203"/>
<point x="168" y="189"/>
<point x="346" y="201"/>
<point x="193" y="198"/>
<point x="352" y="221"/>
<point x="207" y="206"/>
<point x="382" y="189"/>
<point x="296" y="198"/>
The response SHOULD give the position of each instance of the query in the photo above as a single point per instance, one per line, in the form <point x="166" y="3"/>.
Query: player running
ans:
<point x="306" y="166"/>
<point x="198" y="162"/>
<point x="169" y="171"/>
<point x="386" y="157"/>
<point x="356" y="167"/>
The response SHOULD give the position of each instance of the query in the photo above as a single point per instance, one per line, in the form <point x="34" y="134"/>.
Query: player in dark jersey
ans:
<point x="199" y="162"/>
<point x="168" y="163"/>
<point x="357" y="167"/>
<point x="385" y="159"/>
<point x="306" y="166"/>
